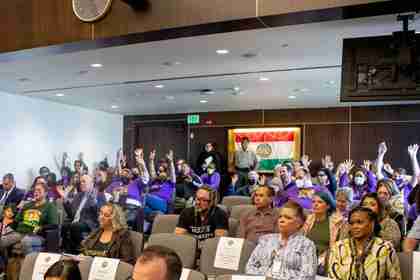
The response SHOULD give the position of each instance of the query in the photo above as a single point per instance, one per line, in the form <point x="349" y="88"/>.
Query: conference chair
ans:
<point x="233" y="227"/>
<point x="406" y="265"/>
<point x="237" y="211"/>
<point x="124" y="270"/>
<point x="137" y="239"/>
<point x="165" y="223"/>
<point x="184" y="245"/>
<point x="194" y="275"/>
<point x="233" y="200"/>
<point x="208" y="254"/>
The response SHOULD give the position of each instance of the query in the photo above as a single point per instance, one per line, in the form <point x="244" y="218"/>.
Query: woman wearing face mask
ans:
<point x="249" y="188"/>
<point x="363" y="181"/>
<point x="389" y="228"/>
<point x="363" y="256"/>
<point x="321" y="228"/>
<point x="212" y="177"/>
<point x="287" y="255"/>
<point x="327" y="180"/>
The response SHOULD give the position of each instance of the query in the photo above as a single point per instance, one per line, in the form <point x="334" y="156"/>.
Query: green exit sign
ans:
<point x="193" y="119"/>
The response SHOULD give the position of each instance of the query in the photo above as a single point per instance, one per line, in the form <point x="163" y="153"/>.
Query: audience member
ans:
<point x="66" y="269"/>
<point x="83" y="215"/>
<point x="187" y="182"/>
<point x="344" y="201"/>
<point x="9" y="193"/>
<point x="321" y="228"/>
<point x="263" y="219"/>
<point x="8" y="234"/>
<point x="211" y="178"/>
<point x="112" y="238"/>
<point x="204" y="220"/>
<point x="44" y="171"/>
<point x="162" y="186"/>
<point x="209" y="155"/>
<point x="287" y="255"/>
<point x="363" y="255"/>
<point x="361" y="180"/>
<point x="247" y="189"/>
<point x="35" y="218"/>
<point x="245" y="160"/>
<point x="157" y="263"/>
<point x="389" y="228"/>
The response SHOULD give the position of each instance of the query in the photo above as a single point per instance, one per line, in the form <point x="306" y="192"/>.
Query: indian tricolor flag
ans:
<point x="271" y="145"/>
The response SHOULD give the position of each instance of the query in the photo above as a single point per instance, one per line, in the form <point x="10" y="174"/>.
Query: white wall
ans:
<point x="33" y="132"/>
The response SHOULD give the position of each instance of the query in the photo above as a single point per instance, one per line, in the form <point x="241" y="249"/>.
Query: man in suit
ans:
<point x="83" y="214"/>
<point x="9" y="193"/>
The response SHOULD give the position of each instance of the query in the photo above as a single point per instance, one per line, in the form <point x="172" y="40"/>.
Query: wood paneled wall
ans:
<point x="26" y="24"/>
<point x="342" y="132"/>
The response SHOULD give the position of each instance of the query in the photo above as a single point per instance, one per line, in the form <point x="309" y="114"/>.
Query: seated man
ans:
<point x="9" y="193"/>
<point x="262" y="220"/>
<point x="205" y="219"/>
<point x="83" y="213"/>
<point x="249" y="189"/>
<point x="157" y="263"/>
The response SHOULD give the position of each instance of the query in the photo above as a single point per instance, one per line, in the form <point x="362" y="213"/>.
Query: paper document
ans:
<point x="185" y="274"/>
<point x="103" y="268"/>
<point x="228" y="253"/>
<point x="43" y="262"/>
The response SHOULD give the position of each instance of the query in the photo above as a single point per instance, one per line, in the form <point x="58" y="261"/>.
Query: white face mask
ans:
<point x="359" y="181"/>
<point x="300" y="183"/>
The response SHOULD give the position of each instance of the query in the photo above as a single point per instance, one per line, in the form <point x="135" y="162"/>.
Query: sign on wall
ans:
<point x="271" y="145"/>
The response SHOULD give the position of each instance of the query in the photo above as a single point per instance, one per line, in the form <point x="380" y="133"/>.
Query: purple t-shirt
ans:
<point x="164" y="190"/>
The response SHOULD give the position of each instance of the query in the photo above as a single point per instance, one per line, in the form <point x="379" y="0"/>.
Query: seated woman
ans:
<point x="35" y="218"/>
<point x="66" y="269"/>
<point x="287" y="255"/>
<point x="321" y="228"/>
<point x="29" y="196"/>
<point x="393" y="202"/>
<point x="389" y="228"/>
<point x="344" y="201"/>
<point x="363" y="255"/>
<point x="9" y="236"/>
<point x="112" y="239"/>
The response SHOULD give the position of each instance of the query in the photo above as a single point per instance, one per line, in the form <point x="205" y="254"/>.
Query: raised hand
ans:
<point x="327" y="162"/>
<point x="234" y="178"/>
<point x="262" y="180"/>
<point x="382" y="149"/>
<point x="170" y="155"/>
<point x="388" y="168"/>
<point x="367" y="164"/>
<point x="152" y="155"/>
<point x="348" y="165"/>
<point x="139" y="154"/>
<point x="412" y="150"/>
<point x="306" y="161"/>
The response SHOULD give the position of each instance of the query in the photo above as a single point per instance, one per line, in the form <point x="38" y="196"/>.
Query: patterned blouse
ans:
<point x="273" y="258"/>
<point x="379" y="261"/>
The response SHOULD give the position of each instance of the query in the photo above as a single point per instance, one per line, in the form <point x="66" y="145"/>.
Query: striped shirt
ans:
<point x="273" y="258"/>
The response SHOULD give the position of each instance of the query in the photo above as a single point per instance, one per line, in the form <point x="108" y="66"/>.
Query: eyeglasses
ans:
<point x="202" y="199"/>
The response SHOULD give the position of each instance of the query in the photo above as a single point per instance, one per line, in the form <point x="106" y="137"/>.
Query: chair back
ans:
<point x="165" y="223"/>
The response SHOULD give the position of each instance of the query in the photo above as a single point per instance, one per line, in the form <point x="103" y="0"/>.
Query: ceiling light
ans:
<point x="171" y="63"/>
<point x="222" y="51"/>
<point x="292" y="97"/>
<point x="169" y="97"/>
<point x="203" y="101"/>
<point x="264" y="79"/>
<point x="304" y="89"/>
<point x="114" y="107"/>
<point x="236" y="88"/>
<point x="331" y="82"/>
<point x="59" y="95"/>
<point x="159" y="86"/>
<point x="206" y="92"/>
<point x="96" y="65"/>
<point x="238" y="93"/>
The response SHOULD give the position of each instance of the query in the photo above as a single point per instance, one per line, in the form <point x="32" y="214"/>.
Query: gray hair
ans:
<point x="347" y="192"/>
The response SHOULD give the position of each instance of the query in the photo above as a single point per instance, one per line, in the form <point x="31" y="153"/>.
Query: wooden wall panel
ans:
<point x="164" y="14"/>
<point x="386" y="113"/>
<point x="234" y="118"/>
<point x="366" y="137"/>
<point x="298" y="116"/>
<point x="275" y="7"/>
<point x="332" y="139"/>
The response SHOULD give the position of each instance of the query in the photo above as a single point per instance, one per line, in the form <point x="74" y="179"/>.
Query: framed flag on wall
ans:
<point x="271" y="145"/>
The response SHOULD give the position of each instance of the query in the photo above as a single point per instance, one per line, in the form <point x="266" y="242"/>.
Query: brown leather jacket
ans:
<point x="121" y="247"/>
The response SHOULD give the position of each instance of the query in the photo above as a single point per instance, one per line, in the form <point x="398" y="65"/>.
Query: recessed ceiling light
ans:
<point x="114" y="106"/>
<point x="171" y="63"/>
<point x="236" y="88"/>
<point x="206" y="92"/>
<point x="292" y="97"/>
<point x="264" y="79"/>
<point x="59" y="95"/>
<point x="304" y="89"/>
<point x="96" y="65"/>
<point x="203" y="101"/>
<point x="159" y="86"/>
<point x="330" y="83"/>
<point x="169" y="97"/>
<point x="238" y="93"/>
<point x="223" y="51"/>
